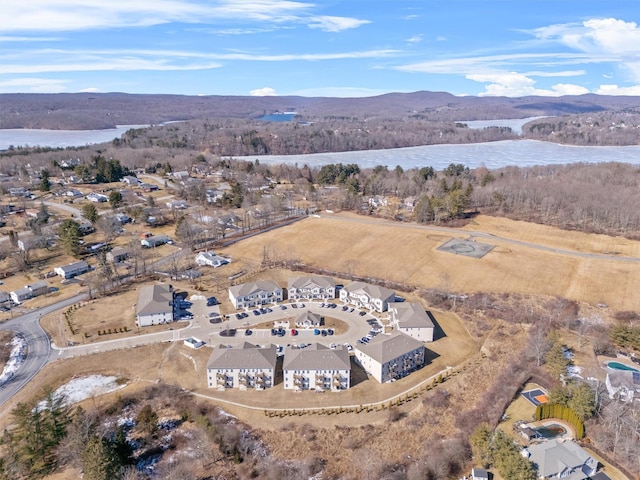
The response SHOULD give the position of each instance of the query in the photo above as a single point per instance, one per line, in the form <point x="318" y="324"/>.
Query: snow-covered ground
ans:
<point x="18" y="354"/>
<point x="82" y="388"/>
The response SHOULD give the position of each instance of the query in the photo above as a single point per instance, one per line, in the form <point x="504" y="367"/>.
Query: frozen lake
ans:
<point x="493" y="155"/>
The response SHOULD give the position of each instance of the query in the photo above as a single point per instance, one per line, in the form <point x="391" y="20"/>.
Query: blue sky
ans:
<point x="349" y="48"/>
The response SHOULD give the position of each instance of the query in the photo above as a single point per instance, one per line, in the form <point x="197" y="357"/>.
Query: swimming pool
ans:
<point x="621" y="366"/>
<point x="551" y="430"/>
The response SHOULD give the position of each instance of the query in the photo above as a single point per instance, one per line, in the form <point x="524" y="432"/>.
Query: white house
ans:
<point x="317" y="367"/>
<point x="71" y="270"/>
<point x="388" y="357"/>
<point x="315" y="287"/>
<point x="21" y="294"/>
<point x="479" y="474"/>
<point x="251" y="294"/>
<point x="97" y="197"/>
<point x="364" y="295"/>
<point x="155" y="305"/>
<point x="623" y="384"/>
<point x="130" y="180"/>
<point x="177" y="204"/>
<point x="38" y="288"/>
<point x="309" y="319"/>
<point x="557" y="459"/>
<point x="210" y="259"/>
<point x="411" y="319"/>
<point x="242" y="367"/>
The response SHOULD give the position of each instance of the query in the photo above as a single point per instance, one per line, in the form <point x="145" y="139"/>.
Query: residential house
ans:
<point x="39" y="288"/>
<point x="317" y="367"/>
<point x="411" y="319"/>
<point x="479" y="474"/>
<point x="210" y="259"/>
<point x="243" y="367"/>
<point x="309" y="319"/>
<point x="214" y="195"/>
<point x="177" y="204"/>
<point x="364" y="295"/>
<point x="315" y="287"/>
<point x="623" y="385"/>
<point x="149" y="187"/>
<point x="130" y="180"/>
<point x="181" y="175"/>
<point x="85" y="227"/>
<point x="71" y="270"/>
<point x="118" y="254"/>
<point x="378" y="201"/>
<point x="557" y="459"/>
<point x="388" y="357"/>
<point x="123" y="218"/>
<point x="155" y="305"/>
<point x="251" y="294"/>
<point x="155" y="241"/>
<point x="70" y="163"/>
<point x="73" y="193"/>
<point x="97" y="197"/>
<point x="4" y="297"/>
<point x="21" y="294"/>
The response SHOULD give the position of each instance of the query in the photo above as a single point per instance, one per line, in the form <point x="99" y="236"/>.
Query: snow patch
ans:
<point x="83" y="388"/>
<point x="16" y="358"/>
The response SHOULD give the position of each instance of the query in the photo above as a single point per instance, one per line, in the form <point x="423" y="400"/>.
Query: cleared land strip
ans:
<point x="475" y="233"/>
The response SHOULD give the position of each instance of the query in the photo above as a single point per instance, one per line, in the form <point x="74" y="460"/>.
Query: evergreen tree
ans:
<point x="115" y="199"/>
<point x="45" y="183"/>
<point x="99" y="460"/>
<point x="481" y="444"/>
<point x="90" y="212"/>
<point x="69" y="232"/>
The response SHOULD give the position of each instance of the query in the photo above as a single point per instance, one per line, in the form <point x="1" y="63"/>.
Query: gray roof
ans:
<point x="373" y="291"/>
<point x="250" y="288"/>
<point x="246" y="355"/>
<point x="154" y="299"/>
<point x="553" y="456"/>
<point x="22" y="291"/>
<point x="317" y="357"/>
<point x="312" y="281"/>
<point x="384" y="348"/>
<point x="72" y="267"/>
<point x="36" y="285"/>
<point x="411" y="315"/>
<point x="312" y="317"/>
<point x="118" y="251"/>
<point x="624" y="378"/>
<point x="5" y="296"/>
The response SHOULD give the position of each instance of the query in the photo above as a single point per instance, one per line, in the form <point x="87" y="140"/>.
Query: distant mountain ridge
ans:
<point x="80" y="111"/>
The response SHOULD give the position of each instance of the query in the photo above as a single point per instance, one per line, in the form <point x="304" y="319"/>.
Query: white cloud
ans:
<point x="414" y="39"/>
<point x="33" y="85"/>
<point x="69" y="15"/>
<point x="335" y="24"/>
<point x="90" y="90"/>
<point x="616" y="90"/>
<point x="441" y="38"/>
<point x="263" y="92"/>
<point x="512" y="84"/>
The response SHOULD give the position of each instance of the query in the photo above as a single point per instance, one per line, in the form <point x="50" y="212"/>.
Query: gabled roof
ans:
<point x="312" y="281"/>
<point x="155" y="299"/>
<point x="36" y="285"/>
<point x="317" y="357"/>
<point x="553" y="457"/>
<point x="314" y="318"/>
<point x="250" y="288"/>
<point x="246" y="355"/>
<point x="373" y="291"/>
<point x="72" y="267"/>
<point x="384" y="348"/>
<point x="411" y="315"/>
<point x="624" y="378"/>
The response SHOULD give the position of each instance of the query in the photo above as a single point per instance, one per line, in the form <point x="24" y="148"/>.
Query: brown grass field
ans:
<point x="355" y="443"/>
<point x="408" y="253"/>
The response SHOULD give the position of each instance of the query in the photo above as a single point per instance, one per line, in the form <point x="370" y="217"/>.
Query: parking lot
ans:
<point x="210" y="325"/>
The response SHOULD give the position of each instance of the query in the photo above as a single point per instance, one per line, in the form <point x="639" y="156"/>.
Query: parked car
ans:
<point x="283" y="307"/>
<point x="256" y="312"/>
<point x="248" y="332"/>
<point x="316" y="331"/>
<point x="213" y="314"/>
<point x="348" y="346"/>
<point x="345" y="308"/>
<point x="323" y="333"/>
<point x="362" y="313"/>
<point x="294" y="332"/>
<point x="330" y="331"/>
<point x="274" y="332"/>
<point x="294" y="305"/>
<point x="211" y="301"/>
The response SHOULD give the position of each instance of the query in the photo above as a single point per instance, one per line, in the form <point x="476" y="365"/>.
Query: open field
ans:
<point x="408" y="253"/>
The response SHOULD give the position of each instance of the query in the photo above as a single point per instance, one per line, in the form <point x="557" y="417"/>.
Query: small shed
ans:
<point x="479" y="474"/>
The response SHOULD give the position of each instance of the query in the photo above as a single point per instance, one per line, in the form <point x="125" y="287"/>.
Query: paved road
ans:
<point x="38" y="345"/>
<point x="474" y="233"/>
